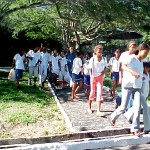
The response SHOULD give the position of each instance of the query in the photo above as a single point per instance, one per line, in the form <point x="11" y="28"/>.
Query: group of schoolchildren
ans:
<point x="130" y="69"/>
<point x="134" y="79"/>
<point x="127" y="68"/>
<point x="42" y="65"/>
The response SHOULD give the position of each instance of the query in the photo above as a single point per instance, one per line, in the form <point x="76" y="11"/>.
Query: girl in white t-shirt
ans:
<point x="97" y="66"/>
<point x="64" y="73"/>
<point x="114" y="65"/>
<point x="144" y="95"/>
<point x="131" y="84"/>
<point x="86" y="77"/>
<point x="76" y="76"/>
<point x="55" y="67"/>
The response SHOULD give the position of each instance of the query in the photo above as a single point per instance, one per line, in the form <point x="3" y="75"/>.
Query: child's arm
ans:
<point x="103" y="72"/>
<point x="134" y="73"/>
<point x="13" y="63"/>
<point x="120" y="73"/>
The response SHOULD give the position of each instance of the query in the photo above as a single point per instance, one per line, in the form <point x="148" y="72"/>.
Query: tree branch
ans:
<point x="7" y="12"/>
<point x="64" y="17"/>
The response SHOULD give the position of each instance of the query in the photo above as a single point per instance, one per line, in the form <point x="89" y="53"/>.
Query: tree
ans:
<point x="69" y="20"/>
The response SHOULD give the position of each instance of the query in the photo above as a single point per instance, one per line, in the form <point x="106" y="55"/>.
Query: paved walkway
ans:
<point x="77" y="111"/>
<point x="81" y="119"/>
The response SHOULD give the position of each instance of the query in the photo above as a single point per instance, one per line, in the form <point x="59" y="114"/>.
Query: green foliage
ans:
<point x="27" y="106"/>
<point x="107" y="82"/>
<point x="61" y="19"/>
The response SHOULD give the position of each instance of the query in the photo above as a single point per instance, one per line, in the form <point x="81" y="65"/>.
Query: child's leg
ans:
<point x="35" y="78"/>
<point x="99" y="85"/>
<point x="18" y="74"/>
<point x="54" y="79"/>
<point x="63" y="83"/>
<point x="85" y="88"/>
<point x="90" y="106"/>
<point x="88" y="90"/>
<point x="17" y="82"/>
<point x="35" y="75"/>
<point x="112" y="90"/>
<point x="92" y="95"/>
<point x="99" y="98"/>
<point x="78" y="87"/>
<point x="74" y="86"/>
<point x="116" y="106"/>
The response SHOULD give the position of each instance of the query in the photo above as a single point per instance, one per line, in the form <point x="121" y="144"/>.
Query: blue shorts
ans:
<point x="76" y="77"/>
<point x="87" y="79"/>
<point x="19" y="73"/>
<point x="115" y="75"/>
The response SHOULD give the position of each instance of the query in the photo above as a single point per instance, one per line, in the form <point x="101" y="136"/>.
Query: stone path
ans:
<point x="81" y="119"/>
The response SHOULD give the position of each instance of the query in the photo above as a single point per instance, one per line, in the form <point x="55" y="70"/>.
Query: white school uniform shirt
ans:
<point x="86" y="68"/>
<point x="123" y="57"/>
<point x="35" y="58"/>
<point x="55" y="66"/>
<point x="77" y="64"/>
<point x="114" y="63"/>
<point x="97" y="66"/>
<point x="63" y="61"/>
<point x="45" y="58"/>
<point x="145" y="85"/>
<point x="128" y="79"/>
<point x="19" y="61"/>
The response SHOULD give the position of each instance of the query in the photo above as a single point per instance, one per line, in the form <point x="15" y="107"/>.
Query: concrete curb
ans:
<point x="90" y="143"/>
<point x="66" y="137"/>
<point x="67" y="120"/>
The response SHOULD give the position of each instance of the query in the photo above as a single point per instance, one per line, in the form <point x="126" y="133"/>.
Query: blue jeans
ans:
<point x="126" y="93"/>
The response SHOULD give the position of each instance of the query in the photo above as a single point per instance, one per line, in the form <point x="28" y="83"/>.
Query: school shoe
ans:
<point x="146" y="132"/>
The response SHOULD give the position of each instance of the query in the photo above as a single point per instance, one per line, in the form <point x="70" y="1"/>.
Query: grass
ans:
<point x="27" y="111"/>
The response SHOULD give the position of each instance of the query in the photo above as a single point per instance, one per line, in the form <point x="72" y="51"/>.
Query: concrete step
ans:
<point x="101" y="134"/>
<point x="86" y="143"/>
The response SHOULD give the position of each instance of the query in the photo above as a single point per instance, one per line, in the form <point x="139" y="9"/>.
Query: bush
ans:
<point x="107" y="82"/>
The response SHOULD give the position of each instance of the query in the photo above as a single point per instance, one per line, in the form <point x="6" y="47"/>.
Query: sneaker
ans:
<point x="146" y="132"/>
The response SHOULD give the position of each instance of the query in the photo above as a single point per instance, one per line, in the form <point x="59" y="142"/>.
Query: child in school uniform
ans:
<point x="18" y="63"/>
<point x="144" y="95"/>
<point x="132" y="84"/>
<point x="97" y="66"/>
<point x="86" y="77"/>
<point x="64" y="77"/>
<point x="114" y="65"/>
<point x="76" y="76"/>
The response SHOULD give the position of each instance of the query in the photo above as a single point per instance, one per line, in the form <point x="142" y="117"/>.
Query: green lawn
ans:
<point x="27" y="112"/>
